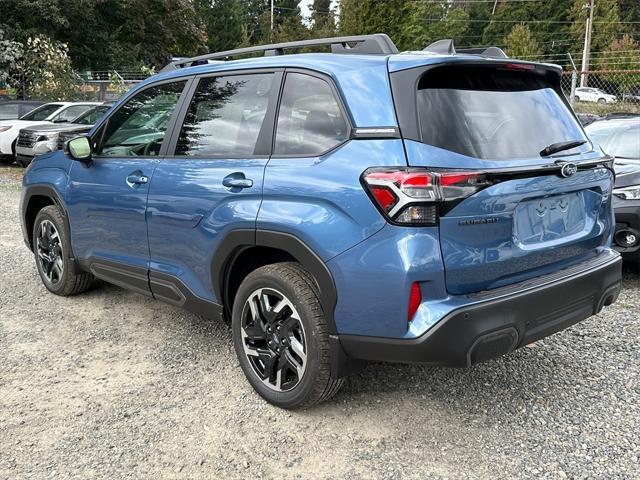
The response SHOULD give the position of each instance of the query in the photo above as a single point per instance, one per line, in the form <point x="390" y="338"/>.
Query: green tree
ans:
<point x="38" y="68"/>
<point x="606" y="24"/>
<point x="626" y="52"/>
<point x="223" y="21"/>
<point x="430" y="21"/>
<point x="373" y="16"/>
<point x="323" y="19"/>
<point x="521" y="44"/>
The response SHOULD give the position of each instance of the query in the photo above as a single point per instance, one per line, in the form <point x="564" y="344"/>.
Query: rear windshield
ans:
<point x="492" y="113"/>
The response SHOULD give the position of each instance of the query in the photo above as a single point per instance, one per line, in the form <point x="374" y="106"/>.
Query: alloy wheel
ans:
<point x="49" y="250"/>
<point x="273" y="339"/>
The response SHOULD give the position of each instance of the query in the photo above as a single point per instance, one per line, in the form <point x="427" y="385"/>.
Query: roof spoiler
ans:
<point x="446" y="47"/>
<point x="376" y="44"/>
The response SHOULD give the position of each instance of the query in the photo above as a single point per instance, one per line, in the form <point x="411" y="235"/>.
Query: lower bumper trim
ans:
<point x="494" y="327"/>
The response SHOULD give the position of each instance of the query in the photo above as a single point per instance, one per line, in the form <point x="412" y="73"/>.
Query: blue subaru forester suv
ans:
<point x="439" y="206"/>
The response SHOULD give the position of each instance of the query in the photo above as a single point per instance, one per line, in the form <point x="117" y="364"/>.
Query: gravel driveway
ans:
<point x="113" y="385"/>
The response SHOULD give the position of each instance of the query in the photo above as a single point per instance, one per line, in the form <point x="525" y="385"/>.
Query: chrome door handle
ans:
<point x="237" y="180"/>
<point x="137" y="179"/>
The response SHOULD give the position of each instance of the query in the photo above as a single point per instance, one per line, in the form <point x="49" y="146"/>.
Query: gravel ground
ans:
<point x="111" y="384"/>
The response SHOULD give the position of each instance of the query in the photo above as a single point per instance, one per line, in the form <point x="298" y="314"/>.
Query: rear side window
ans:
<point x="492" y="113"/>
<point x="310" y="121"/>
<point x="225" y="116"/>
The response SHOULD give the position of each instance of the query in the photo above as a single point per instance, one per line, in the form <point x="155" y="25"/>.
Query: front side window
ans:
<point x="41" y="113"/>
<point x="91" y="116"/>
<point x="493" y="114"/>
<point x="310" y="121"/>
<point x="225" y="116"/>
<point x="138" y="127"/>
<point x="71" y="112"/>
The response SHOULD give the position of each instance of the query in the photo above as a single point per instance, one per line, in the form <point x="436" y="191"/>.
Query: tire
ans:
<point x="51" y="249"/>
<point x="602" y="100"/>
<point x="286" y="319"/>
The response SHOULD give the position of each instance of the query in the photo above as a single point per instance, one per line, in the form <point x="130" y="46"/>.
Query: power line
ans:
<point x="523" y="21"/>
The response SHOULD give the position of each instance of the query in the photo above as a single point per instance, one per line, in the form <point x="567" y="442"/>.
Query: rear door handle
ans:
<point x="237" y="180"/>
<point x="137" y="178"/>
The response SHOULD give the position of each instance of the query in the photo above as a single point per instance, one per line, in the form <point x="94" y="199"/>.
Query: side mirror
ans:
<point x="79" y="149"/>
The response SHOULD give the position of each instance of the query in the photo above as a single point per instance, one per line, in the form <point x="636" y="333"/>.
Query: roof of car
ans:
<point x="628" y="121"/>
<point x="361" y="70"/>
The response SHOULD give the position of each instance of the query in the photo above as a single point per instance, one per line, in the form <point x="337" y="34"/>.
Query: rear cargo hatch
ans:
<point x="535" y="196"/>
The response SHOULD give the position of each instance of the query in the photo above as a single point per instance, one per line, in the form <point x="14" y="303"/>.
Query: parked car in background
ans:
<point x="435" y="207"/>
<point x="587" y="118"/>
<point x="620" y="136"/>
<point x="17" y="108"/>
<point x="55" y="112"/>
<point x="49" y="137"/>
<point x="590" y="94"/>
<point x="633" y="96"/>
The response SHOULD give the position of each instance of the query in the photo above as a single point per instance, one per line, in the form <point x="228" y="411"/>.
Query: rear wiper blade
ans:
<point x="561" y="146"/>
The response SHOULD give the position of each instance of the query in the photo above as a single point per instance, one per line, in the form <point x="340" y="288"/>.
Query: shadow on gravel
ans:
<point x="541" y="372"/>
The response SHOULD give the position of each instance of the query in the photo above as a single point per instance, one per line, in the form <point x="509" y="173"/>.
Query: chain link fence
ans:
<point x="603" y="91"/>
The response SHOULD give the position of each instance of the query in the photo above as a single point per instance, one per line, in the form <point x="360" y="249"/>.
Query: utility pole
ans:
<point x="495" y="4"/>
<point x="272" y="20"/>
<point x="587" y="44"/>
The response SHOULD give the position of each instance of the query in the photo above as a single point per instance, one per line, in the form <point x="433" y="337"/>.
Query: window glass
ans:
<point x="71" y="112"/>
<point x="620" y="139"/>
<point x="225" y="115"/>
<point x="9" y="111"/>
<point x="41" y="113"/>
<point x="489" y="113"/>
<point x="310" y="121"/>
<point x="91" y="116"/>
<point x="138" y="127"/>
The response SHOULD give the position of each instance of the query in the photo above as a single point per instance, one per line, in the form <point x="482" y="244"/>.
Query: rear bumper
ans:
<point x="503" y="320"/>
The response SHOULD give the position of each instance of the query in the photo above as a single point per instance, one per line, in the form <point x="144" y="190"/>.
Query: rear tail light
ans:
<point x="413" y="196"/>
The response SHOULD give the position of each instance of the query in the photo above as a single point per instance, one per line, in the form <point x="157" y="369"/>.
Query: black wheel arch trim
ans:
<point x="31" y="191"/>
<point x="237" y="241"/>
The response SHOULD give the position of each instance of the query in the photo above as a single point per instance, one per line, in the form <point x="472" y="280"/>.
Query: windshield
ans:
<point x="491" y="113"/>
<point x="91" y="116"/>
<point x="41" y="113"/>
<point x="619" y="140"/>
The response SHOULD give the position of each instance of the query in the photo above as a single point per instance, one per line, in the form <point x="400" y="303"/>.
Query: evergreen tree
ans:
<point x="521" y="44"/>
<point x="323" y="23"/>
<point x="606" y="24"/>
<point x="431" y="21"/>
<point x="223" y="21"/>
<point x="626" y="53"/>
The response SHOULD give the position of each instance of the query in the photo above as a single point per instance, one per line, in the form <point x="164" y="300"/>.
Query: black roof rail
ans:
<point x="446" y="47"/>
<point x="375" y="44"/>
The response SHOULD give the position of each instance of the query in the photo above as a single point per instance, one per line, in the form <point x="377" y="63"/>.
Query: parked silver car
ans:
<point x="48" y="138"/>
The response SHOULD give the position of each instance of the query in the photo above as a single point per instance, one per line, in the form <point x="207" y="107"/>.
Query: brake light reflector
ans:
<point x="385" y="198"/>
<point x="415" y="299"/>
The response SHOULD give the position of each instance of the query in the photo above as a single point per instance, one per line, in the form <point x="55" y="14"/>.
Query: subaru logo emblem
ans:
<point x="568" y="169"/>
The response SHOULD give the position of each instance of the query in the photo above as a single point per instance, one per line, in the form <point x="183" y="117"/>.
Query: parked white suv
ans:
<point x="56" y="112"/>
<point x="589" y="94"/>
